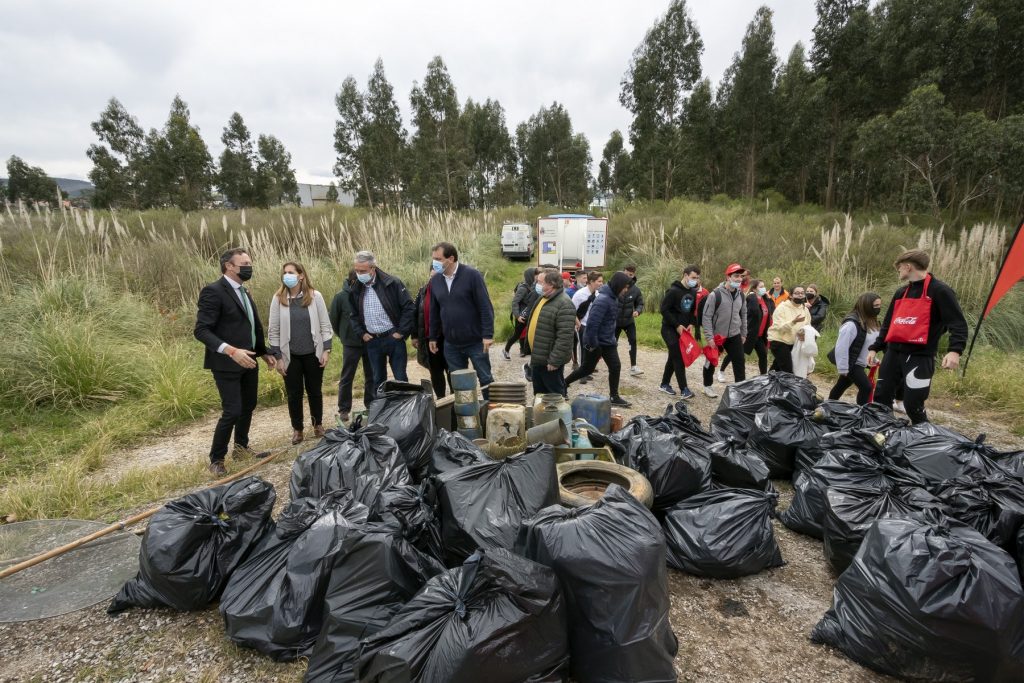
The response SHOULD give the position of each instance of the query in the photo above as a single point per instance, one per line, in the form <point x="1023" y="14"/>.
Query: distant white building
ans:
<point x="316" y="195"/>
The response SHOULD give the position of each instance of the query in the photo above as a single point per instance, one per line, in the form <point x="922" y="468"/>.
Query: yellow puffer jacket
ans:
<point x="785" y="323"/>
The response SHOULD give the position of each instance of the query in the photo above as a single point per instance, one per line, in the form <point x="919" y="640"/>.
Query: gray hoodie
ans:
<point x="725" y="313"/>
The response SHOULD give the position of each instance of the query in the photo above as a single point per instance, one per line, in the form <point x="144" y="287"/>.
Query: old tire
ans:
<point x="583" y="482"/>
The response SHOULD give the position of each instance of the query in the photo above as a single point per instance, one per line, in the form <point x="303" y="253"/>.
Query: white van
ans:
<point x="517" y="240"/>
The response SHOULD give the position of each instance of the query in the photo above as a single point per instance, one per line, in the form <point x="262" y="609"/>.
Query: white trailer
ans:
<point x="572" y="241"/>
<point x="517" y="240"/>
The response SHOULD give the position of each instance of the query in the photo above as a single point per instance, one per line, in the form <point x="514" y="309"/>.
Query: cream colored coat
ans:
<point x="279" y="331"/>
<point x="784" y="326"/>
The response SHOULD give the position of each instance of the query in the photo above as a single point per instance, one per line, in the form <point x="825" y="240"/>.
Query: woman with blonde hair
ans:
<point x="300" y="336"/>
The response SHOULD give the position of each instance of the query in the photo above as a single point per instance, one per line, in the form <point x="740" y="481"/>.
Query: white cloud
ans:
<point x="280" y="64"/>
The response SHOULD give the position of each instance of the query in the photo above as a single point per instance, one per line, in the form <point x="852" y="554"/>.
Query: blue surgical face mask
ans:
<point x="539" y="288"/>
<point x="364" y="277"/>
<point x="691" y="283"/>
<point x="437" y="266"/>
<point x="761" y="291"/>
<point x="733" y="284"/>
<point x="290" y="280"/>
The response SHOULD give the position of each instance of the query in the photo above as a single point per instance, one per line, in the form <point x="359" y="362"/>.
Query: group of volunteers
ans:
<point x="559" y="318"/>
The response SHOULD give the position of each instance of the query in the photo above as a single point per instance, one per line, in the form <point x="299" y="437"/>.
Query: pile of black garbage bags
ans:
<point x="407" y="554"/>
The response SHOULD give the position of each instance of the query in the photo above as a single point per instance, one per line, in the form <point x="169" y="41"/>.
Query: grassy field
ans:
<point x="97" y="308"/>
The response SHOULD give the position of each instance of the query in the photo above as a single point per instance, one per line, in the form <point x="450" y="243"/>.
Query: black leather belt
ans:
<point x="382" y="335"/>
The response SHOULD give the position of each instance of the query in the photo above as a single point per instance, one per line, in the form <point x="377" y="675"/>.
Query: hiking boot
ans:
<point x="318" y="431"/>
<point x="242" y="452"/>
<point x="217" y="468"/>
<point x="635" y="371"/>
<point x="620" y="402"/>
<point x="666" y="389"/>
<point x="343" y="419"/>
<point x="687" y="394"/>
<point x="296" y="436"/>
<point x="710" y="393"/>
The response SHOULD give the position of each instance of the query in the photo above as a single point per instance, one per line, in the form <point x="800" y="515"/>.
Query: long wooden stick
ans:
<point x="134" y="519"/>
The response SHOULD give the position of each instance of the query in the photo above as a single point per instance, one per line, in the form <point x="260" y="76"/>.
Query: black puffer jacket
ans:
<point x="631" y="300"/>
<point x="819" y="309"/>
<point x="525" y="295"/>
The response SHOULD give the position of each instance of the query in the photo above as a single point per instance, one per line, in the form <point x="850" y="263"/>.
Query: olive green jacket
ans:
<point x="553" y="339"/>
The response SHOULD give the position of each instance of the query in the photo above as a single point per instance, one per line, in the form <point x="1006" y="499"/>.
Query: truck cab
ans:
<point x="517" y="240"/>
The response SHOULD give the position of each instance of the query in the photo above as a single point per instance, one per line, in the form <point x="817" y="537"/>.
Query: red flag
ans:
<point x="1010" y="273"/>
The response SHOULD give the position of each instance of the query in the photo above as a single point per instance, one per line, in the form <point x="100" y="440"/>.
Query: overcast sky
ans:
<point x="280" y="64"/>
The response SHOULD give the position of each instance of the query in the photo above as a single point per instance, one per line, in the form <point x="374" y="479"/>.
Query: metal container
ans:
<point x="464" y="380"/>
<point x="553" y="432"/>
<point x="547" y="407"/>
<point x="509" y="392"/>
<point x="595" y="409"/>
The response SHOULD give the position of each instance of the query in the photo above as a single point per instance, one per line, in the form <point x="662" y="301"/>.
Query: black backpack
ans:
<point x="581" y="312"/>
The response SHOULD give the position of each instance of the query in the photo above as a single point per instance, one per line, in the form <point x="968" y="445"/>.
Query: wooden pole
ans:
<point x="134" y="519"/>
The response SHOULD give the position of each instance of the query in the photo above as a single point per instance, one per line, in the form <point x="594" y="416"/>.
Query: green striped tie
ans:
<point x="248" y="312"/>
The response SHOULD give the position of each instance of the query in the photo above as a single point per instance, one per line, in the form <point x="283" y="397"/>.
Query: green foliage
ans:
<point x="438" y="152"/>
<point x="236" y="176"/>
<point x="555" y="162"/>
<point x="29" y="184"/>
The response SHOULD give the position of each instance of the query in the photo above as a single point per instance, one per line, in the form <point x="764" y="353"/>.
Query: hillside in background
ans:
<point x="73" y="188"/>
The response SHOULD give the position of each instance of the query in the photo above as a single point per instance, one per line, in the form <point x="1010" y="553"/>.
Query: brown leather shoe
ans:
<point x="243" y="452"/>
<point x="318" y="431"/>
<point x="296" y="436"/>
<point x="217" y="468"/>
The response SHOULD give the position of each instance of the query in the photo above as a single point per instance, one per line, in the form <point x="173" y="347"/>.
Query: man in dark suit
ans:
<point x="228" y="324"/>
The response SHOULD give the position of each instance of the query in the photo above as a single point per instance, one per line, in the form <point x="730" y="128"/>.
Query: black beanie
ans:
<point x="619" y="282"/>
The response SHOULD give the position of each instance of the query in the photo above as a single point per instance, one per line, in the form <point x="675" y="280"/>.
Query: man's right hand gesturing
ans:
<point x="247" y="359"/>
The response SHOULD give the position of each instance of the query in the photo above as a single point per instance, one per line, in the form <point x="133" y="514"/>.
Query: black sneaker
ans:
<point x="504" y="354"/>
<point x="621" y="402"/>
<point x="527" y="372"/>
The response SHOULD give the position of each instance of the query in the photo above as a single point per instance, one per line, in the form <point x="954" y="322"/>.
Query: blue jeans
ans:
<point x="460" y="355"/>
<point x="383" y="351"/>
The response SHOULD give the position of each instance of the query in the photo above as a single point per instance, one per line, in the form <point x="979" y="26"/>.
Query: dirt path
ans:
<point x="750" y="629"/>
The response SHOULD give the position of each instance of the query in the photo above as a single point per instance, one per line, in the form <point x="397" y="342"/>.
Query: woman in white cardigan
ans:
<point x="300" y="338"/>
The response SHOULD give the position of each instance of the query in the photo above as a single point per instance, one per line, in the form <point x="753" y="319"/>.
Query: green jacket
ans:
<point x="341" y="317"/>
<point x="552" y="343"/>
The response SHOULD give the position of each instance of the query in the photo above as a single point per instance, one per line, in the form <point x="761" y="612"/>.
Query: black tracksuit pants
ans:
<point x="858" y="376"/>
<point x="610" y="354"/>
<point x="910" y="372"/>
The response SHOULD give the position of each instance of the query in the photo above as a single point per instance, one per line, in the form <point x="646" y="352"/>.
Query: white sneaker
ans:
<point x="720" y="376"/>
<point x="897" y="406"/>
<point x="710" y="393"/>
<point x="635" y="370"/>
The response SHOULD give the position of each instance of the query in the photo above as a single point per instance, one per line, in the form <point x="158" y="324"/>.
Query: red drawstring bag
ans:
<point x="689" y="348"/>
<point x="911" y="318"/>
<point x="711" y="353"/>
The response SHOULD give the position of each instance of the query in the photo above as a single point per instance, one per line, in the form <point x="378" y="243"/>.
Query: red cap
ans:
<point x="566" y="275"/>
<point x="735" y="268"/>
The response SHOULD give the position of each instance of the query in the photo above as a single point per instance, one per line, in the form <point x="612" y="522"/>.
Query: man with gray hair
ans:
<point x="383" y="315"/>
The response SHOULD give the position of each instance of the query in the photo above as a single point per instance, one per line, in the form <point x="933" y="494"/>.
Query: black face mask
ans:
<point x="810" y="297"/>
<point x="796" y="299"/>
<point x="244" y="273"/>
<point x="877" y="309"/>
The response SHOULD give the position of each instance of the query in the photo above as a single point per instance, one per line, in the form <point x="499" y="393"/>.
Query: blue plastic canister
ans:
<point x="595" y="409"/>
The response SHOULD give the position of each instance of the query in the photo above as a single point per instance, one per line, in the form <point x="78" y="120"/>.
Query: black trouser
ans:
<point x="350" y="359"/>
<point x="733" y="350"/>
<point x="575" y="347"/>
<point x="674" y="363"/>
<point x="761" y="348"/>
<point x="304" y="372"/>
<point x="782" y="357"/>
<point x="911" y="373"/>
<point x="516" y="336"/>
<point x="630" y="331"/>
<point x="438" y="367"/>
<point x="856" y="375"/>
<point x="238" y="394"/>
<point x="548" y="381"/>
<point x="610" y="354"/>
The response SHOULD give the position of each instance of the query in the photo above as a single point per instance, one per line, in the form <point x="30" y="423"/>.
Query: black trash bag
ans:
<point x="274" y="602"/>
<point x="453" y="451"/>
<point x="1012" y="462"/>
<point x="850" y="511"/>
<point x="994" y="505"/>
<point x="365" y="461"/>
<point x="929" y="601"/>
<point x="779" y="430"/>
<point x="945" y="456"/>
<point x="840" y="415"/>
<point x="677" y="419"/>
<point x="676" y="467"/>
<point x="723" y="534"/>
<point x="732" y="466"/>
<point x="613" y="547"/>
<point x="498" y="618"/>
<point x="483" y="506"/>
<point x="742" y="400"/>
<point x="193" y="544"/>
<point x="840" y="467"/>
<point x="866" y="441"/>
<point x="407" y="410"/>
<point x="415" y="512"/>
<point x="374" y="574"/>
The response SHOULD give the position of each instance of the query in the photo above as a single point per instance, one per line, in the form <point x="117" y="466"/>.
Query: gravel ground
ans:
<point x="751" y="629"/>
